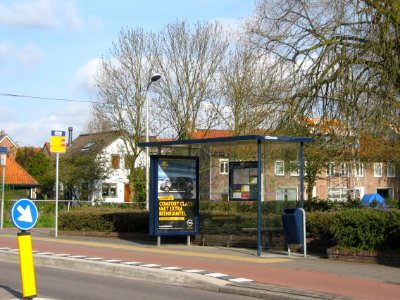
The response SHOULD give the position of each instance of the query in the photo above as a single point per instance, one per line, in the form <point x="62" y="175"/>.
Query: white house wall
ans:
<point x="118" y="177"/>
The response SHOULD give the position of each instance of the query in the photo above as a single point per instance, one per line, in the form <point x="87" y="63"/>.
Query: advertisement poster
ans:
<point x="176" y="184"/>
<point x="243" y="181"/>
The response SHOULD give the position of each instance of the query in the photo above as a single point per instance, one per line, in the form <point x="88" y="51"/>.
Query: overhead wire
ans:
<point x="45" y="98"/>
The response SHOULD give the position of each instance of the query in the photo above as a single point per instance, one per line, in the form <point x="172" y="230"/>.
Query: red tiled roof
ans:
<point x="217" y="133"/>
<point x="211" y="133"/>
<point x="16" y="175"/>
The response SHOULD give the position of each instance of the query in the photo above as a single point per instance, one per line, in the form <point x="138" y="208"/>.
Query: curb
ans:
<point x="167" y="275"/>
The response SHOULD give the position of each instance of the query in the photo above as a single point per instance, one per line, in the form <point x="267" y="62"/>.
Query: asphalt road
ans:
<point x="65" y="284"/>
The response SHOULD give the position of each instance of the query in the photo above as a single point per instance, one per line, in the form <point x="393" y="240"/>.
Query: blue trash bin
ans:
<point x="294" y="227"/>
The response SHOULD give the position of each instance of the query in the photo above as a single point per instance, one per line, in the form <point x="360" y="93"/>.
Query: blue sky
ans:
<point x="50" y="48"/>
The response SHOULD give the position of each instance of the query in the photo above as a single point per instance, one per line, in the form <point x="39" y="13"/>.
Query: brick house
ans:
<point x="16" y="177"/>
<point x="338" y="181"/>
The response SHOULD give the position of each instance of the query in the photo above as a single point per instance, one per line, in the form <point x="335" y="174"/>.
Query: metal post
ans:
<point x="259" y="223"/>
<point x="154" y="78"/>
<point x="301" y="154"/>
<point x="188" y="240"/>
<point x="147" y="154"/>
<point x="304" y="234"/>
<point x="56" y="225"/>
<point x="158" y="241"/>
<point x="2" y="198"/>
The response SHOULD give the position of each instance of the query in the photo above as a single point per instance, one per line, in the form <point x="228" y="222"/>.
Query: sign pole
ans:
<point x="3" y="151"/>
<point x="56" y="225"/>
<point x="57" y="145"/>
<point x="2" y="198"/>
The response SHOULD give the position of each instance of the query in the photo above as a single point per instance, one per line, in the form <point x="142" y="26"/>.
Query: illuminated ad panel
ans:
<point x="174" y="196"/>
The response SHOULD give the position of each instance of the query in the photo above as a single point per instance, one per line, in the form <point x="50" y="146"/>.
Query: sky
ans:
<point x="51" y="49"/>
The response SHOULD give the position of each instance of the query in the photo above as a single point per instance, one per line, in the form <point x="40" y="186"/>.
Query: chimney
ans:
<point x="69" y="136"/>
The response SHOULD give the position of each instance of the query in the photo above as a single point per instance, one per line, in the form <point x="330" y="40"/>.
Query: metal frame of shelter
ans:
<point x="237" y="141"/>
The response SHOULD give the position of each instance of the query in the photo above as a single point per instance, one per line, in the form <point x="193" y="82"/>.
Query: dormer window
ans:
<point x="88" y="146"/>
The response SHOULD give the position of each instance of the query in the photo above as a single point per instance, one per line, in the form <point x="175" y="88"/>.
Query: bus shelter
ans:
<point x="266" y="172"/>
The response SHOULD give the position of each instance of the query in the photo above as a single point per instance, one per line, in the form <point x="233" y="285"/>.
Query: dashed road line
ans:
<point x="134" y="263"/>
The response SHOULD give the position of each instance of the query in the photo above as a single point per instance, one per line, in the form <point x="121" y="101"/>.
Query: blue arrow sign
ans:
<point x="24" y="214"/>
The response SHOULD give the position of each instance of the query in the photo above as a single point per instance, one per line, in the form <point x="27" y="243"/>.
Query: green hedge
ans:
<point x="105" y="220"/>
<point x="361" y="229"/>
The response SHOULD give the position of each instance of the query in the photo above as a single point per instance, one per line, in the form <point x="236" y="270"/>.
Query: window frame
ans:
<point x="359" y="170"/>
<point x="109" y="187"/>
<point x="376" y="174"/>
<point x="343" y="193"/>
<point x="391" y="166"/>
<point x="330" y="169"/>
<point x="224" y="166"/>
<point x="344" y="169"/>
<point x="281" y="169"/>
<point x="115" y="161"/>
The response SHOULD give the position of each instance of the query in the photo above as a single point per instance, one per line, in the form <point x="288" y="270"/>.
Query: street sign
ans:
<point x="57" y="141"/>
<point x="24" y="214"/>
<point x="3" y="150"/>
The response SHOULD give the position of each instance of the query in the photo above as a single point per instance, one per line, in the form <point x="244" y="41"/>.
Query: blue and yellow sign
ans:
<point x="58" y="143"/>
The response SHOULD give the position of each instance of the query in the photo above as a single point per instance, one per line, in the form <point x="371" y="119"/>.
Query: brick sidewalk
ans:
<point x="345" y="279"/>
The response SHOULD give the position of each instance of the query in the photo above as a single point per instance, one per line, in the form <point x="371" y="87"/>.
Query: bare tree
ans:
<point x="122" y="84"/>
<point x="188" y="58"/>
<point x="98" y="122"/>
<point x="253" y="91"/>
<point x="344" y="55"/>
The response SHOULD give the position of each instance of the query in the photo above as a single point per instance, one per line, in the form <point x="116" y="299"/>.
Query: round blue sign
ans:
<point x="24" y="214"/>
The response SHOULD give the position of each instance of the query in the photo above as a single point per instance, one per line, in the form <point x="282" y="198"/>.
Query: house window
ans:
<point x="359" y="170"/>
<point x="294" y="168"/>
<point x="344" y="169"/>
<point x="279" y="168"/>
<point x="115" y="161"/>
<point x="377" y="169"/>
<point x="286" y="194"/>
<point x="337" y="194"/>
<point x="223" y="166"/>
<point x="330" y="170"/>
<point x="391" y="170"/>
<point x="109" y="190"/>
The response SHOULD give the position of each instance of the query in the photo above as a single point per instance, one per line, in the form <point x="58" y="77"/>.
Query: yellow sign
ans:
<point x="57" y="142"/>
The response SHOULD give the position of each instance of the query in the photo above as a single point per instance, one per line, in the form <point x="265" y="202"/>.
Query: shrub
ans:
<point x="319" y="224"/>
<point x="367" y="229"/>
<point x="105" y="220"/>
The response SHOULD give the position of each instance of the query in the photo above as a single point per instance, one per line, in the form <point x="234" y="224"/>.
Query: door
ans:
<point x="127" y="193"/>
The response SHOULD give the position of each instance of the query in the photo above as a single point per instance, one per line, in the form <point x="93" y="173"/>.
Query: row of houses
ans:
<point x="338" y="181"/>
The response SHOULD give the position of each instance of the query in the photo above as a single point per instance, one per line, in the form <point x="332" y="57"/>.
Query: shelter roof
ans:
<point x="226" y="140"/>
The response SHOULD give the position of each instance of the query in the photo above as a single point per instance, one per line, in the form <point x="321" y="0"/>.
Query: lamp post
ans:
<point x="154" y="78"/>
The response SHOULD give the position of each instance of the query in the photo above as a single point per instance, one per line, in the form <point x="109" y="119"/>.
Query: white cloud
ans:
<point x="85" y="78"/>
<point x="6" y="49"/>
<point x="29" y="55"/>
<point x="49" y="14"/>
<point x="23" y="13"/>
<point x="36" y="131"/>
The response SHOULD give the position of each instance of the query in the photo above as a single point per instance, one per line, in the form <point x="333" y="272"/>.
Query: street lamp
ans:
<point x="154" y="78"/>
